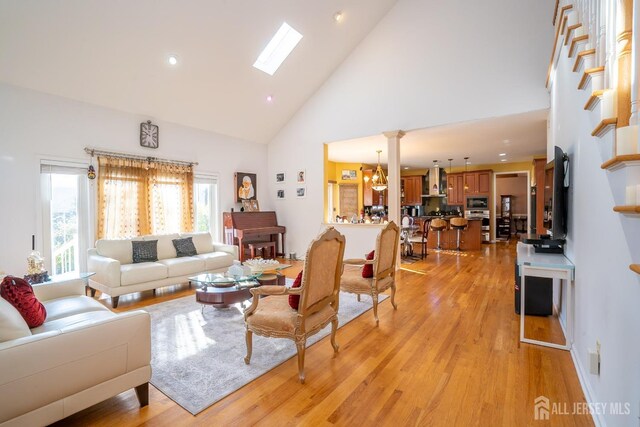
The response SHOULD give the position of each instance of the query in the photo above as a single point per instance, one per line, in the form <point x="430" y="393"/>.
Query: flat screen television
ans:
<point x="556" y="191"/>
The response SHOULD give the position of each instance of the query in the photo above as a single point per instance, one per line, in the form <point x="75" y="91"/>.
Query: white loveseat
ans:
<point x="83" y="354"/>
<point x="117" y="274"/>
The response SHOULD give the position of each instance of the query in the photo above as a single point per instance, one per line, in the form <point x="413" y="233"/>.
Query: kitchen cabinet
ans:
<point x="484" y="182"/>
<point x="366" y="185"/>
<point x="455" y="190"/>
<point x="412" y="189"/>
<point x="477" y="182"/>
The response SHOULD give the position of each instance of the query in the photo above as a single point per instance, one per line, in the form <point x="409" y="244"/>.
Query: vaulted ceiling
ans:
<point x="114" y="54"/>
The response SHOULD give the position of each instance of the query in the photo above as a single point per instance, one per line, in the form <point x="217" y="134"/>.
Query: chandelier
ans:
<point x="378" y="180"/>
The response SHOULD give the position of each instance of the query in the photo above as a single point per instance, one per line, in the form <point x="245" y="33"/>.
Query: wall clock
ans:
<point x="149" y="135"/>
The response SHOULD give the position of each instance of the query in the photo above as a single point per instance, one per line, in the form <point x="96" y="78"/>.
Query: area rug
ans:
<point x="197" y="356"/>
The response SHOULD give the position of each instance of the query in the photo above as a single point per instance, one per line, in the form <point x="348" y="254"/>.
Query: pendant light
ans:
<point x="378" y="180"/>
<point x="450" y="182"/>
<point x="466" y="161"/>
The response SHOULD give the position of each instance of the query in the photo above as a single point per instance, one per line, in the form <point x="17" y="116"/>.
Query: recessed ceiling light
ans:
<point x="503" y="160"/>
<point x="337" y="16"/>
<point x="173" y="60"/>
<point x="278" y="48"/>
<point x="406" y="167"/>
<point x="505" y="141"/>
<point x="269" y="98"/>
<point x="502" y="154"/>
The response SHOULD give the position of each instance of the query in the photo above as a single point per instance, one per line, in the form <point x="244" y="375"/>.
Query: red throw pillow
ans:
<point x="294" y="300"/>
<point x="19" y="293"/>
<point x="367" y="270"/>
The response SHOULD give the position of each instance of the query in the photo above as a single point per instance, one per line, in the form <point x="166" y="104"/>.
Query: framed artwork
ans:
<point x="280" y="177"/>
<point x="348" y="174"/>
<point x="280" y="194"/>
<point x="251" y="205"/>
<point x="246" y="186"/>
<point x="301" y="176"/>
<point x="301" y="192"/>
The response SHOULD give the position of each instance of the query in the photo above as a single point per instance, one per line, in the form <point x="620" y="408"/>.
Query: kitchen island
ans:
<point x="470" y="239"/>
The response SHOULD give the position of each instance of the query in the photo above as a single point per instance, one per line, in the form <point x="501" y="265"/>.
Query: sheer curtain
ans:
<point x="137" y="197"/>
<point x="171" y="191"/>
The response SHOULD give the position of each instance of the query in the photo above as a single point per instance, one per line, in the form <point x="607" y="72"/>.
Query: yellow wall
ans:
<point x="333" y="173"/>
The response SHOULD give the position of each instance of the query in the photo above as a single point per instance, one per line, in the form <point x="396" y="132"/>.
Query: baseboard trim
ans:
<point x="598" y="419"/>
<point x="582" y="374"/>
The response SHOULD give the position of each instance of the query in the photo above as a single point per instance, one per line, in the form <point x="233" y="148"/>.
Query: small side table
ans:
<point x="555" y="266"/>
<point x="57" y="278"/>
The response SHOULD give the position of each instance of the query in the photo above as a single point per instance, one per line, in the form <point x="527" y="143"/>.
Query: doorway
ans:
<point x="348" y="200"/>
<point x="511" y="204"/>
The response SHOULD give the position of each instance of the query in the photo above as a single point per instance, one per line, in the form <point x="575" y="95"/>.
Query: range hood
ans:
<point x="437" y="179"/>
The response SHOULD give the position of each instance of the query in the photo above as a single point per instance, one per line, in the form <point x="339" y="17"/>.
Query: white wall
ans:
<point x="426" y="63"/>
<point x="602" y="244"/>
<point x="34" y="124"/>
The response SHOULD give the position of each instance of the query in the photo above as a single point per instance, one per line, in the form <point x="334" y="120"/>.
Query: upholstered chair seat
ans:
<point x="275" y="317"/>
<point x="353" y="282"/>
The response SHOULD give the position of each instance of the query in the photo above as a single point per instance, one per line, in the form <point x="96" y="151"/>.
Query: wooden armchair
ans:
<point x="384" y="269"/>
<point x="319" y="300"/>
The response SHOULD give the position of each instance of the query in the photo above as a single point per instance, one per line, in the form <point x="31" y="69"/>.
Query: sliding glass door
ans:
<point x="65" y="218"/>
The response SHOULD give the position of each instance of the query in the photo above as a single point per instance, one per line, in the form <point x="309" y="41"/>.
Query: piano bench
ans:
<point x="261" y="246"/>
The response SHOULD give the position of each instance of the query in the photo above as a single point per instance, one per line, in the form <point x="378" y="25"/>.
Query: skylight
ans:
<point x="280" y="46"/>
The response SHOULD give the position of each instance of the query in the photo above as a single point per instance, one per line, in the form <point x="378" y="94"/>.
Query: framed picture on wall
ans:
<point x="348" y="174"/>
<point x="280" y="177"/>
<point x="301" y="192"/>
<point x="301" y="176"/>
<point x="246" y="186"/>
<point x="280" y="194"/>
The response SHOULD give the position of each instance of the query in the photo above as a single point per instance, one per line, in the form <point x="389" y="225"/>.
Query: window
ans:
<point x="205" y="205"/>
<point x="138" y="197"/>
<point x="278" y="48"/>
<point x="65" y="216"/>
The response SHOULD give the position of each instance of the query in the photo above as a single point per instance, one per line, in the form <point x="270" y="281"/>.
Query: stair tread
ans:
<point x="619" y="159"/>
<point x="627" y="209"/>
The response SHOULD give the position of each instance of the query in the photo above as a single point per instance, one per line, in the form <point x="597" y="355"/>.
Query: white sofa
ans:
<point x="83" y="354"/>
<point x="116" y="274"/>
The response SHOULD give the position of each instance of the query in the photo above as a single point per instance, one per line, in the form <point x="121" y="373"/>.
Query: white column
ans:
<point x="393" y="173"/>
<point x="635" y="65"/>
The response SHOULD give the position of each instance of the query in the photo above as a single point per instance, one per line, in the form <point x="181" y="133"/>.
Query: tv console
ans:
<point x="543" y="243"/>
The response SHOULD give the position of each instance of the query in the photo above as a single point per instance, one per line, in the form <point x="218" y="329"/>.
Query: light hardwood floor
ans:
<point x="449" y="355"/>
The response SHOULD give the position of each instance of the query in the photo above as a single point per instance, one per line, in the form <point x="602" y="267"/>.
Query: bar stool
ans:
<point x="438" y="225"/>
<point x="458" y="224"/>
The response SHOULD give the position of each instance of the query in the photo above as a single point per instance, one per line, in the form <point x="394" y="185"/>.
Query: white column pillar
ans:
<point x="635" y="65"/>
<point x="393" y="173"/>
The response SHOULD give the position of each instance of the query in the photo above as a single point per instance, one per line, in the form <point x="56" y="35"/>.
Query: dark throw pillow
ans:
<point x="294" y="300"/>
<point x="184" y="247"/>
<point x="19" y="293"/>
<point x="367" y="270"/>
<point x="145" y="250"/>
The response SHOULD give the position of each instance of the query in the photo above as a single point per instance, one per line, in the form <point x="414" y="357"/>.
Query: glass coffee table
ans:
<point x="220" y="291"/>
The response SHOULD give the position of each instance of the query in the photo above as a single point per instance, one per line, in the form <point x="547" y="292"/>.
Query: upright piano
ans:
<point x="241" y="228"/>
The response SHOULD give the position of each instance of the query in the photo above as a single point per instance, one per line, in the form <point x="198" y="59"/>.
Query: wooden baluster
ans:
<point x="635" y="67"/>
<point x="623" y="52"/>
